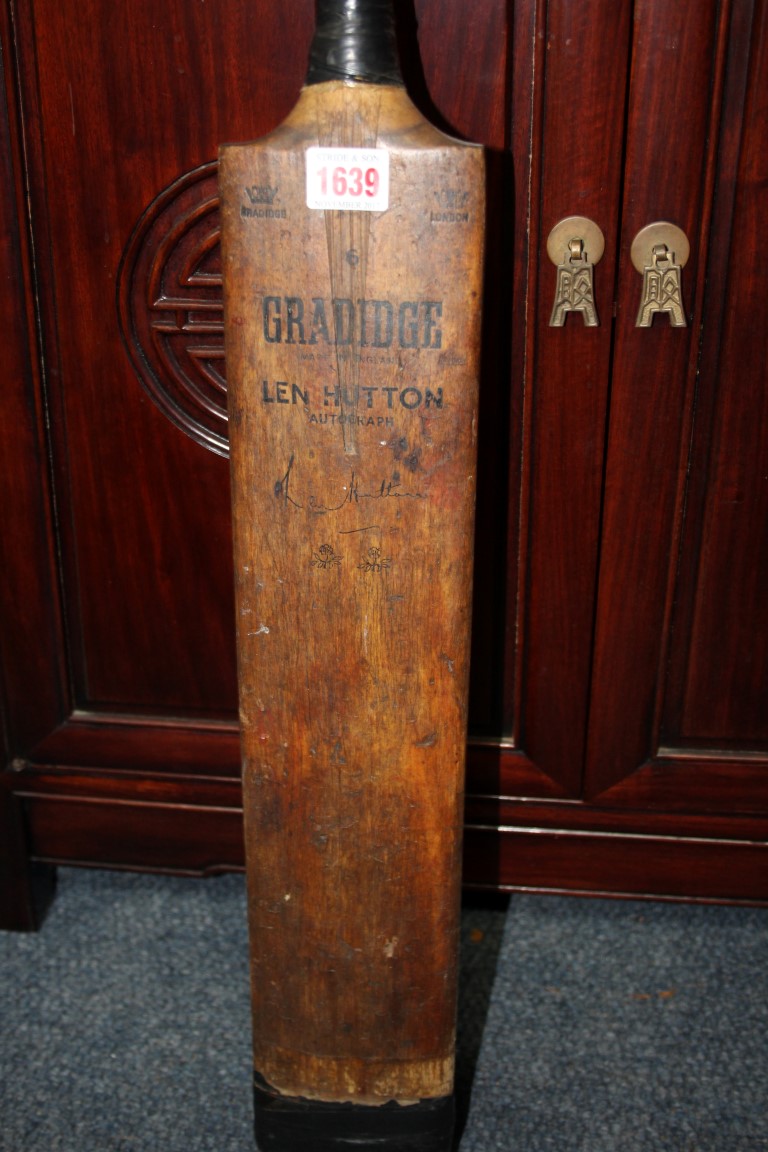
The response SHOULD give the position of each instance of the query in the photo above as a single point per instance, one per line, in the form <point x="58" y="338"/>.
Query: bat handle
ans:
<point x="354" y="41"/>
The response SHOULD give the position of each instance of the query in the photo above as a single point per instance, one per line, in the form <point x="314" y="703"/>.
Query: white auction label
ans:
<point x="348" y="179"/>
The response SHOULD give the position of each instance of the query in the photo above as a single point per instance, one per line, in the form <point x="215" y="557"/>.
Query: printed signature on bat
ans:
<point x="351" y="493"/>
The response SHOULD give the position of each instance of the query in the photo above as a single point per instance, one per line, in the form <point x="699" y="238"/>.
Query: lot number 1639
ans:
<point x="348" y="179"/>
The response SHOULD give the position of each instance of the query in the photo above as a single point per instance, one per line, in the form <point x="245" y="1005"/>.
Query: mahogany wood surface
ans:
<point x="568" y="375"/>
<point x="619" y="650"/>
<point x="680" y="666"/>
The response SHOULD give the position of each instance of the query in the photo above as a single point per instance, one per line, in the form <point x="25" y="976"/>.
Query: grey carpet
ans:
<point x="585" y="1025"/>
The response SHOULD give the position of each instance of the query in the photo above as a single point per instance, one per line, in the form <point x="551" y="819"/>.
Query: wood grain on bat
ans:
<point x="352" y="346"/>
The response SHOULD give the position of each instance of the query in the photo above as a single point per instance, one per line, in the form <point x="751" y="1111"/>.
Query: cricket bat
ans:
<point x="352" y="245"/>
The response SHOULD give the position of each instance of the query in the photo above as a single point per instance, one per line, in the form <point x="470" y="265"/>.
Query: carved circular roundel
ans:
<point x="171" y="307"/>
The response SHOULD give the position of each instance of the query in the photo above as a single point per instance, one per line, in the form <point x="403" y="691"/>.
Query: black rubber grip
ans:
<point x="354" y="40"/>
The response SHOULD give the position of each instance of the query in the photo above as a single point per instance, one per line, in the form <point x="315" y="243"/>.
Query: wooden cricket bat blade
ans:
<point x="352" y="242"/>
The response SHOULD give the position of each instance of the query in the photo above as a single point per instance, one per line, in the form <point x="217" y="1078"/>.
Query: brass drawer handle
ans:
<point x="575" y="245"/>
<point x="660" y="251"/>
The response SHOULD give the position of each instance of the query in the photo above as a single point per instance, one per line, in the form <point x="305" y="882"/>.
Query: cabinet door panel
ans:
<point x="579" y="133"/>
<point x="119" y="101"/>
<point x="30" y="671"/>
<point x="679" y="686"/>
<point x="719" y="684"/>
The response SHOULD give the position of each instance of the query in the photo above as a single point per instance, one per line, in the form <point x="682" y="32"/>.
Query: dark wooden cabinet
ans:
<point x="619" y="710"/>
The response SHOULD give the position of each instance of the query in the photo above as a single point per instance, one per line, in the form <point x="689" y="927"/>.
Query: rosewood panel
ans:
<point x="30" y="654"/>
<point x="678" y="61"/>
<point x="679" y="695"/>
<point x="130" y="105"/>
<point x="719" y="684"/>
<point x="30" y="651"/>
<point x="578" y="132"/>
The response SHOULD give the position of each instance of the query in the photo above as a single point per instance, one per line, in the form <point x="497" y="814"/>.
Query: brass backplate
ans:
<point x="653" y="235"/>
<point x="576" y="228"/>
